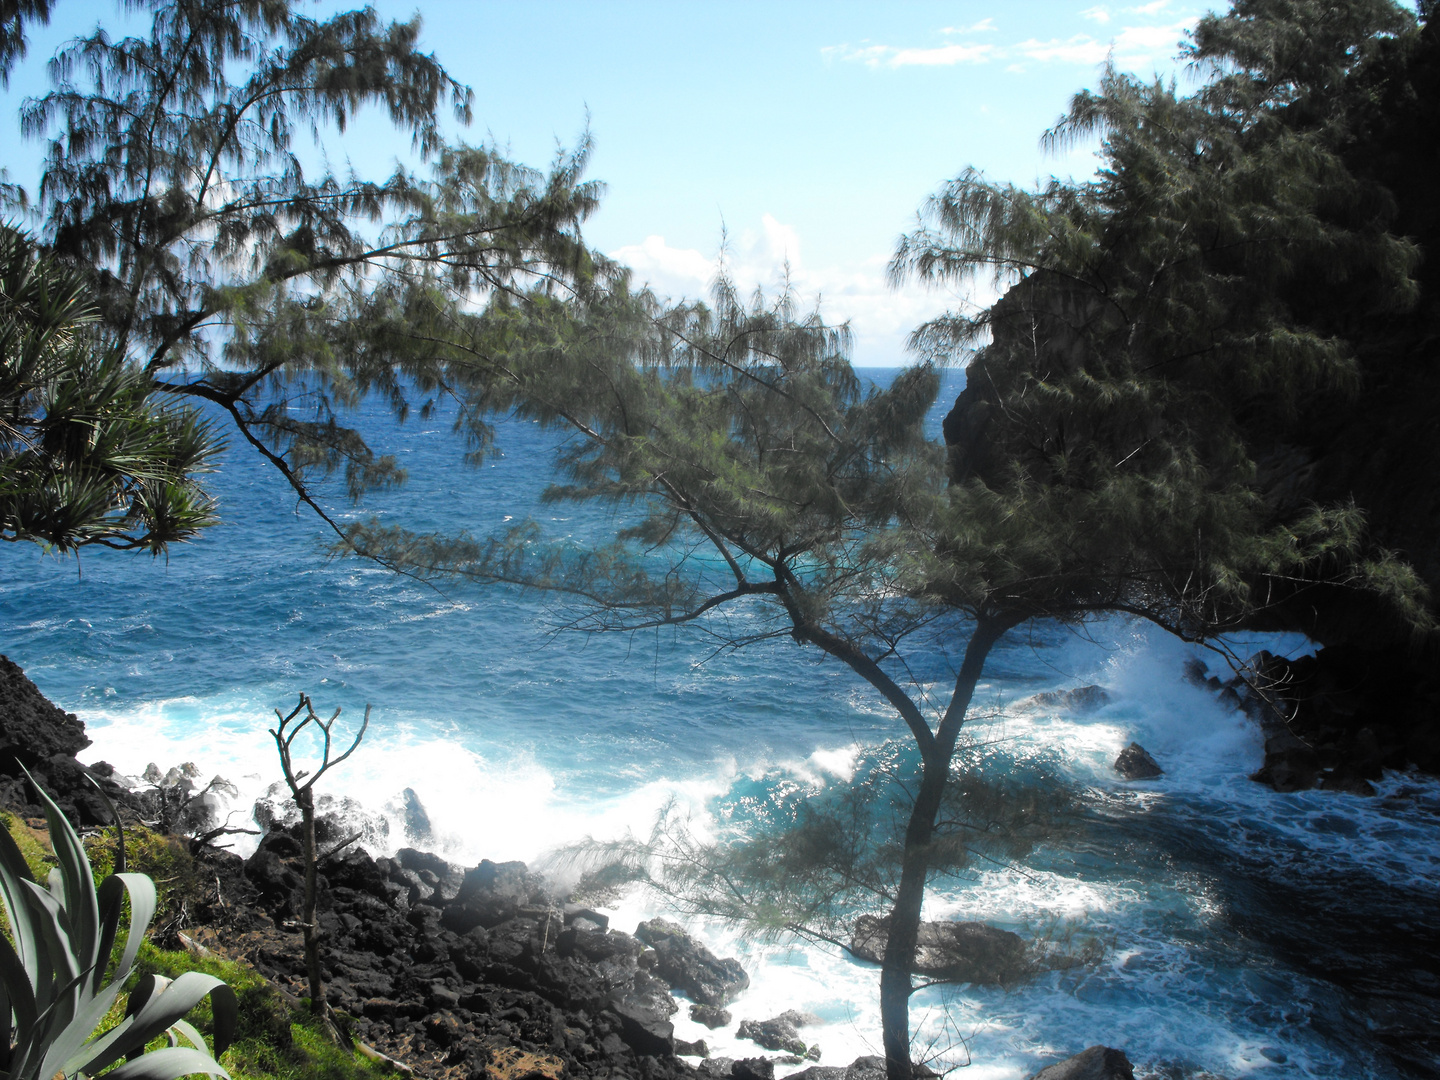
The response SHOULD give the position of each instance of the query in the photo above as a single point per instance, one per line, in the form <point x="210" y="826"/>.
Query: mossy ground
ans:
<point x="276" y="1038"/>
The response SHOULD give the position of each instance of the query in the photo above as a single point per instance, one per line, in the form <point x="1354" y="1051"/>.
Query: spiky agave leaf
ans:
<point x="52" y="977"/>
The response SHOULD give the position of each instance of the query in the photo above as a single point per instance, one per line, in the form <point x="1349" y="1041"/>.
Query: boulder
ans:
<point x="437" y="875"/>
<point x="954" y="951"/>
<point x="869" y="1067"/>
<point x="490" y="894"/>
<point x="1135" y="763"/>
<point x="779" y="1032"/>
<point x="690" y="967"/>
<point x="509" y="879"/>
<point x="759" y="1068"/>
<point x="1096" y="1063"/>
<point x="644" y="1032"/>
<point x="712" y="1016"/>
<point x="1291" y="764"/>
<point x="595" y="920"/>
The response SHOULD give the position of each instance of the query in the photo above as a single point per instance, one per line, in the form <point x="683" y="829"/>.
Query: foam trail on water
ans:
<point x="500" y="805"/>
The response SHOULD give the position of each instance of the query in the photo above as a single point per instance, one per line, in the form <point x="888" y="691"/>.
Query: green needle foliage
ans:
<point x="1175" y="325"/>
<point x="284" y="294"/>
<point x="89" y="452"/>
<point x="54" y="993"/>
<point x="1104" y="455"/>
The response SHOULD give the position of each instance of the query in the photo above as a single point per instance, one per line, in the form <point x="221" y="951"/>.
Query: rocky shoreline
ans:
<point x="453" y="974"/>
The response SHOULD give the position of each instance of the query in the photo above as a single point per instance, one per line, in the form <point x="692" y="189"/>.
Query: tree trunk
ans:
<point x="312" y="928"/>
<point x="899" y="964"/>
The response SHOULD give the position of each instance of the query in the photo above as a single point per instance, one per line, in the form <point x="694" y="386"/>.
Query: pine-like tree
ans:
<point x="1101" y="460"/>
<point x="231" y="273"/>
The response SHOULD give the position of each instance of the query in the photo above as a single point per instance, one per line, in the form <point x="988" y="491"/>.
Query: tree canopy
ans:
<point x="282" y="293"/>
<point x="1121" y="446"/>
<point x="1184" y="316"/>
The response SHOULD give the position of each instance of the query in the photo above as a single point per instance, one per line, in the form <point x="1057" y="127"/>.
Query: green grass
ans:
<point x="275" y="1040"/>
<point x="34" y="844"/>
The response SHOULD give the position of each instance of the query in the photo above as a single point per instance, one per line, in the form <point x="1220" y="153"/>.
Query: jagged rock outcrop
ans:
<point x="1096" y="1063"/>
<point x="781" y="1033"/>
<point x="37" y="734"/>
<point x="1135" y="763"/>
<point x="1321" y="728"/>
<point x="689" y="966"/>
<point x="956" y="951"/>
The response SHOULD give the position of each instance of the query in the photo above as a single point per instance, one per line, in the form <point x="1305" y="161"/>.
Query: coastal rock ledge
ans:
<point x="1096" y="1063"/>
<point x="956" y="951"/>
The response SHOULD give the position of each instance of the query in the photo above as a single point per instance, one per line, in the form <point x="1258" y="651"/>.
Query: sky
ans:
<point x="805" y="134"/>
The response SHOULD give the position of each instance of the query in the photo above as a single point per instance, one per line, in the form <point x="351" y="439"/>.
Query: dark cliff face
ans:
<point x="44" y="739"/>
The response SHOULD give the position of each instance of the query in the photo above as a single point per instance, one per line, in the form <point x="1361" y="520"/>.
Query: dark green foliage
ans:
<point x="14" y="14"/>
<point x="89" y="452"/>
<point x="1147" y="378"/>
<point x="235" y="275"/>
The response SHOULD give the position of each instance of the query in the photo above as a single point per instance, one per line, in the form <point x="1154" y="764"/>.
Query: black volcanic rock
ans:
<point x="689" y="966"/>
<point x="956" y="951"/>
<point x="1135" y="763"/>
<point x="43" y="738"/>
<point x="1096" y="1063"/>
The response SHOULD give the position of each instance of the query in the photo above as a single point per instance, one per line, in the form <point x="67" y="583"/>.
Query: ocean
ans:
<point x="1234" y="931"/>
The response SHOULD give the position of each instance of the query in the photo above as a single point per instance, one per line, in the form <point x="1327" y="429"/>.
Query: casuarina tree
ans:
<point x="1096" y="465"/>
<point x="233" y="269"/>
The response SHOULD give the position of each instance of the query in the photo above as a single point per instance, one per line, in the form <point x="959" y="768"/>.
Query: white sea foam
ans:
<point x="1173" y="984"/>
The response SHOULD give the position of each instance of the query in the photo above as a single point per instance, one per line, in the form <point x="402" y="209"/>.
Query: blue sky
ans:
<point x="810" y="132"/>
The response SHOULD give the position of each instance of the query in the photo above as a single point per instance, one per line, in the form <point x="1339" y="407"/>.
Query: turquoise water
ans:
<point x="1244" y="933"/>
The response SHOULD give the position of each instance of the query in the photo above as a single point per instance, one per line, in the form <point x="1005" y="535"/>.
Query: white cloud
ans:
<point x="1080" y="49"/>
<point x="1136" y="44"/>
<point x="1133" y="45"/>
<point x="887" y="56"/>
<point x="984" y="26"/>
<point x="945" y="55"/>
<point x="880" y="317"/>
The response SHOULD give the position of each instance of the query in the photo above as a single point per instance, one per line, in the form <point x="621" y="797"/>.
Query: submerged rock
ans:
<point x="956" y="951"/>
<point x="1096" y="1063"/>
<point x="1135" y="763"/>
<point x="1080" y="699"/>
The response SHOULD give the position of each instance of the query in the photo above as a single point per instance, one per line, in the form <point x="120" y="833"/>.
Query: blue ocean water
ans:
<point x="1244" y="933"/>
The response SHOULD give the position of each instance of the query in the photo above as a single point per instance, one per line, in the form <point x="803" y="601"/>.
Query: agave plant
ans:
<point x="54" y="992"/>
